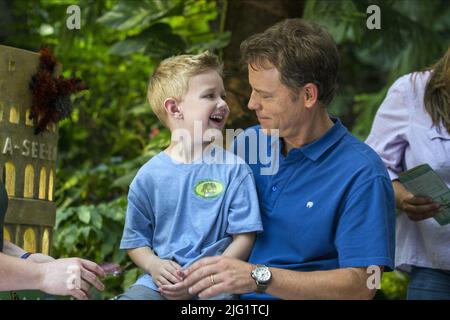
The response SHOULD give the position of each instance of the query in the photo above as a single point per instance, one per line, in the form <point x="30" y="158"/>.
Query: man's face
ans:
<point x="273" y="102"/>
<point x="205" y="102"/>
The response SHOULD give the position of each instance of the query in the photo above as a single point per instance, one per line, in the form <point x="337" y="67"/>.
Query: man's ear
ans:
<point x="171" y="106"/>
<point x="311" y="95"/>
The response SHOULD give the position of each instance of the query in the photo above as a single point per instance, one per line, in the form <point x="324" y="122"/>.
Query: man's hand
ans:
<point x="70" y="277"/>
<point x="417" y="208"/>
<point x="214" y="275"/>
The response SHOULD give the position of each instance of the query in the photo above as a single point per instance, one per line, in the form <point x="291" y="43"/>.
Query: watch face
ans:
<point x="262" y="274"/>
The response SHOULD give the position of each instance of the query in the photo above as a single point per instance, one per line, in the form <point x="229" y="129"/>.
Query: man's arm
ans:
<point x="233" y="276"/>
<point x="346" y="283"/>
<point x="241" y="246"/>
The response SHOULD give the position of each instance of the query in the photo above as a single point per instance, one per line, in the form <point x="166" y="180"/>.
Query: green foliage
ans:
<point x="113" y="131"/>
<point x="94" y="232"/>
<point x="393" y="285"/>
<point x="413" y="35"/>
<point x="161" y="29"/>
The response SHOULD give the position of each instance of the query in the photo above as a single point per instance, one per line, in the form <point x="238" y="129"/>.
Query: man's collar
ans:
<point x="317" y="148"/>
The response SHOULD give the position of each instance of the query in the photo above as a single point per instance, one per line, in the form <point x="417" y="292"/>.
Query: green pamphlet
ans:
<point x="424" y="181"/>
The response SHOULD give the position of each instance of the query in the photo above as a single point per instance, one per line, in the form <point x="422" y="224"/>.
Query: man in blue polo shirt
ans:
<point x="328" y="211"/>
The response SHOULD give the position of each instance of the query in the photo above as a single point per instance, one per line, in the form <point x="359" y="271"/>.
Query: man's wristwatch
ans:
<point x="262" y="276"/>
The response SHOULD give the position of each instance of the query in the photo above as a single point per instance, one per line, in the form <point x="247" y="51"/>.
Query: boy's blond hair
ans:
<point x="171" y="79"/>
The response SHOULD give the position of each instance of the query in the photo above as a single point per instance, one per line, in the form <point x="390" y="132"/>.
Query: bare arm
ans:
<point x="144" y="258"/>
<point x="64" y="277"/>
<point x="11" y="249"/>
<point x="17" y="274"/>
<point x="347" y="283"/>
<point x="241" y="246"/>
<point x="233" y="276"/>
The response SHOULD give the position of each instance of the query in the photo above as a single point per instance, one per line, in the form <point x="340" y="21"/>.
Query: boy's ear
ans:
<point x="171" y="106"/>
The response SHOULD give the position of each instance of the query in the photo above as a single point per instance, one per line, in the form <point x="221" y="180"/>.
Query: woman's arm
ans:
<point x="13" y="250"/>
<point x="64" y="277"/>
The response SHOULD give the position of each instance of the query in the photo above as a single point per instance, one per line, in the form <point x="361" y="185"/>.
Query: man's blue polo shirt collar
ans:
<point x="317" y="148"/>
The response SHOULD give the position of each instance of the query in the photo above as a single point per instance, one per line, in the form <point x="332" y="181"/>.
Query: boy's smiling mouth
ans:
<point x="218" y="117"/>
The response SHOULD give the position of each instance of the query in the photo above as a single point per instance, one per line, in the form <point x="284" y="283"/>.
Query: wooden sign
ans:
<point x="27" y="161"/>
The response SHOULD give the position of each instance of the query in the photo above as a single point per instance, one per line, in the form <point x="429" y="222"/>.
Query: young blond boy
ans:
<point x="183" y="204"/>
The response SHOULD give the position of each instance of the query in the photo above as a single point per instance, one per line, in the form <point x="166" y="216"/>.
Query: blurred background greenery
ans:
<point x="112" y="131"/>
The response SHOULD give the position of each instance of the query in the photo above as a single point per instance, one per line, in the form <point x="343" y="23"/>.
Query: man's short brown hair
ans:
<point x="301" y="51"/>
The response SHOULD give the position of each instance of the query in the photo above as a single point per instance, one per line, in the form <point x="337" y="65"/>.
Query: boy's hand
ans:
<point x="164" y="272"/>
<point x="178" y="291"/>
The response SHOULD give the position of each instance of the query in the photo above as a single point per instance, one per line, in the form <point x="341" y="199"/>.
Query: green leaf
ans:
<point x="158" y="41"/>
<point x="140" y="109"/>
<point x="84" y="214"/>
<point x="162" y="42"/>
<point x="128" y="46"/>
<point x="125" y="180"/>
<point x="130" y="277"/>
<point x="125" y="15"/>
<point x="84" y="231"/>
<point x="97" y="220"/>
<point x="63" y="215"/>
<point x="130" y="14"/>
<point x="218" y="42"/>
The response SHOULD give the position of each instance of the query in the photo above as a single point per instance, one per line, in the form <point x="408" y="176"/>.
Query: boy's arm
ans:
<point x="241" y="246"/>
<point x="144" y="258"/>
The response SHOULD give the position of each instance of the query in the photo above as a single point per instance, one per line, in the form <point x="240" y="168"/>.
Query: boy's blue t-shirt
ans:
<point x="185" y="212"/>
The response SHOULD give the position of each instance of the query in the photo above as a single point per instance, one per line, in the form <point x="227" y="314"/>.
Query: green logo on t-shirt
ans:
<point x="208" y="189"/>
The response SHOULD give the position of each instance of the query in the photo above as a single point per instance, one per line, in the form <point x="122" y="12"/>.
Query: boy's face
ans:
<point x="204" y="103"/>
